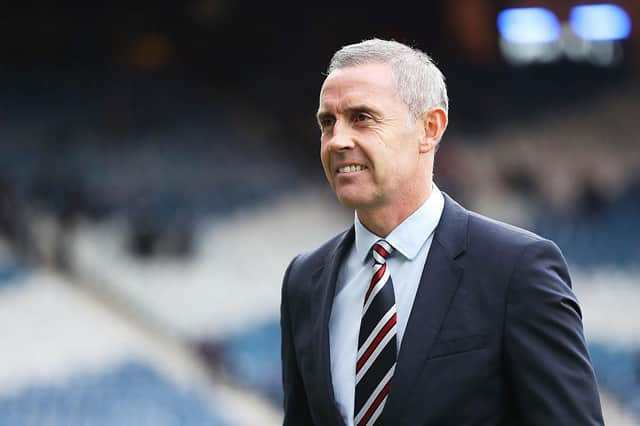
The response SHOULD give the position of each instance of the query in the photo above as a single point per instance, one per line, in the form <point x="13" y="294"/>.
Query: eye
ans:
<point x="362" y="116"/>
<point x="325" y="122"/>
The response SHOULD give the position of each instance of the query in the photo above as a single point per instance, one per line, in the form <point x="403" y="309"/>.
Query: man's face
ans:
<point x="370" y="141"/>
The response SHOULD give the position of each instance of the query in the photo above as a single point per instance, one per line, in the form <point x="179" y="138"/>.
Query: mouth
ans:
<point x="351" y="168"/>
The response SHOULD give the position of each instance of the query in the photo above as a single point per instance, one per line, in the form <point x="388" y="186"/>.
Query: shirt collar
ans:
<point x="408" y="237"/>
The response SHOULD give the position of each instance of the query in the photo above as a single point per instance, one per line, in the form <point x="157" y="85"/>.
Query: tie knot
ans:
<point x="381" y="250"/>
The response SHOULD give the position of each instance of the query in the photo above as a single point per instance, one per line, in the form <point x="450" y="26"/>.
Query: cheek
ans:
<point x="400" y="157"/>
<point x="323" y="152"/>
<point x="325" y="159"/>
<point x="384" y="151"/>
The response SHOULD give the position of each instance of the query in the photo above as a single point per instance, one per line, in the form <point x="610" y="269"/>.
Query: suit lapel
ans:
<point x="438" y="285"/>
<point x="324" y="286"/>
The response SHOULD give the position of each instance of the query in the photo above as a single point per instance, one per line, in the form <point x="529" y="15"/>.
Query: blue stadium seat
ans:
<point x="131" y="394"/>
<point x="252" y="358"/>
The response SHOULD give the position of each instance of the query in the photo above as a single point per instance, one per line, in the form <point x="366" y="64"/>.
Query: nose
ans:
<point x="340" y="138"/>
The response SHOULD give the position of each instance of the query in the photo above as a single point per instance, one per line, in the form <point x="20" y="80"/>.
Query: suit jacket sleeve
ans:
<point x="296" y="408"/>
<point x="551" y="375"/>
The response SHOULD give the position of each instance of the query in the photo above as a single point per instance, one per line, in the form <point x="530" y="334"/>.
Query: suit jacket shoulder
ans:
<point x="493" y="233"/>
<point x="312" y="262"/>
<point x="496" y="246"/>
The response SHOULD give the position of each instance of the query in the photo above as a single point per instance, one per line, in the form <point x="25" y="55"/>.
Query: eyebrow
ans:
<point x="352" y="109"/>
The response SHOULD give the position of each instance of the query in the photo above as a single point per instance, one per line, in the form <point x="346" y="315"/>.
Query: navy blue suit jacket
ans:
<point x="494" y="336"/>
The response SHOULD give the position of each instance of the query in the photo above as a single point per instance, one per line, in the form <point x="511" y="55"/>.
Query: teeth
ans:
<point x="351" y="168"/>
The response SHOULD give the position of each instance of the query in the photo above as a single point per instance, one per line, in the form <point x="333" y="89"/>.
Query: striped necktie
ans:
<point x="376" y="360"/>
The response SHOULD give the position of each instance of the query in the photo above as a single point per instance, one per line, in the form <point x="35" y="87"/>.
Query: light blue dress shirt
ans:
<point x="411" y="241"/>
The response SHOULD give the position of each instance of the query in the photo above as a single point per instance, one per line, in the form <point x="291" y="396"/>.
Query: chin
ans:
<point x="351" y="200"/>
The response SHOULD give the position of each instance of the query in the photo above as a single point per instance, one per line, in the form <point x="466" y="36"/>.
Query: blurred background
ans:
<point x="159" y="169"/>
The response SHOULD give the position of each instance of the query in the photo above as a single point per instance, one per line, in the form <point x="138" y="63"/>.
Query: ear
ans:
<point x="434" y="123"/>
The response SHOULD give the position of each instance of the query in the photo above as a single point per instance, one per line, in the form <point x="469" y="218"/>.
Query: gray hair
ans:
<point x="419" y="82"/>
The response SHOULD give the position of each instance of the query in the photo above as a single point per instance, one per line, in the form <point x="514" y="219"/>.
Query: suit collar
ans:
<point x="451" y="232"/>
<point x="323" y="293"/>
<point x="438" y="285"/>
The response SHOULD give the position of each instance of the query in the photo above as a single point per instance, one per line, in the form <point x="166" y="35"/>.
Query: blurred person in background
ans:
<point x="422" y="312"/>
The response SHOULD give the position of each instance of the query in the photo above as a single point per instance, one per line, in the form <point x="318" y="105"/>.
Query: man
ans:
<point x="422" y="313"/>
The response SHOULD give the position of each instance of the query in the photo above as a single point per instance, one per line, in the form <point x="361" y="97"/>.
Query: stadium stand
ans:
<point x="182" y="221"/>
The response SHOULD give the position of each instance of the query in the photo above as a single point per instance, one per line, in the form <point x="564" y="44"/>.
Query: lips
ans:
<point x="351" y="168"/>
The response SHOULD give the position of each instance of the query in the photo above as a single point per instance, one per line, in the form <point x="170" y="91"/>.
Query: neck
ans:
<point x="383" y="219"/>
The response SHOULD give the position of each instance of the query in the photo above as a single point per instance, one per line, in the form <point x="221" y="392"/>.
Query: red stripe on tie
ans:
<point x="376" y="277"/>
<point x="372" y="347"/>
<point x="381" y="251"/>
<point x="383" y="393"/>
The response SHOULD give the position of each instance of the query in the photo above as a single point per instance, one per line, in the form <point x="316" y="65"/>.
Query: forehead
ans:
<point x="370" y="83"/>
